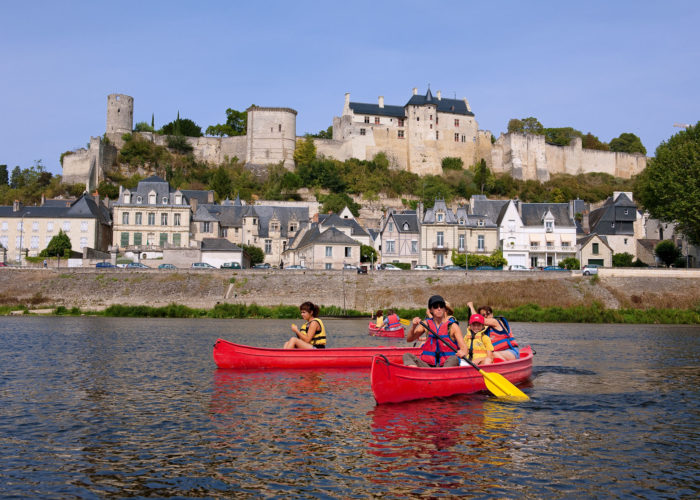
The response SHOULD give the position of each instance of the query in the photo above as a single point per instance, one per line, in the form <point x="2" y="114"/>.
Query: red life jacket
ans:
<point x="435" y="353"/>
<point x="504" y="339"/>
<point x="393" y="322"/>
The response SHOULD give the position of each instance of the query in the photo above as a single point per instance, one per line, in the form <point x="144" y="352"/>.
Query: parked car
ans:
<point x="202" y="265"/>
<point x="421" y="267"/>
<point x="518" y="267"/>
<point x="104" y="264"/>
<point x="589" y="269"/>
<point x="231" y="265"/>
<point x="452" y="267"/>
<point x="554" y="268"/>
<point x="136" y="265"/>
<point x="296" y="267"/>
<point x="487" y="268"/>
<point x="2" y="264"/>
<point x="167" y="266"/>
<point x="389" y="267"/>
<point x="362" y="269"/>
<point x="262" y="265"/>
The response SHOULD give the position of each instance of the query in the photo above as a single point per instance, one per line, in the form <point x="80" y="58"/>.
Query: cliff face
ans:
<point x="97" y="289"/>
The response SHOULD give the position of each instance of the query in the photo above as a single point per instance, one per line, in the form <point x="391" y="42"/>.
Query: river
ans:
<point x="115" y="407"/>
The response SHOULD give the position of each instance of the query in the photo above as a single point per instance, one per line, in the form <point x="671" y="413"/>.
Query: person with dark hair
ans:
<point x="312" y="334"/>
<point x="497" y="328"/>
<point x="437" y="352"/>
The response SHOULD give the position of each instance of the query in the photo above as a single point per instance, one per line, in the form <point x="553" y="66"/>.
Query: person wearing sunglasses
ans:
<point x="435" y="352"/>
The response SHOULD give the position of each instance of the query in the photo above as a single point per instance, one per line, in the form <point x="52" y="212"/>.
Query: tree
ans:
<point x="305" y="151"/>
<point x="4" y="178"/>
<point x="669" y="188"/>
<point x="324" y="134"/>
<point x="667" y="251"/>
<point x="336" y="202"/>
<point x="179" y="144"/>
<point x="627" y="143"/>
<point x="623" y="259"/>
<point x="561" y="136"/>
<point x="236" y="124"/>
<point x="58" y="245"/>
<point x="452" y="163"/>
<point x="256" y="254"/>
<point x="221" y="183"/>
<point x="529" y="125"/>
<point x="481" y="175"/>
<point x="108" y="189"/>
<point x="570" y="263"/>
<point x="368" y="254"/>
<point x="590" y="141"/>
<point x="143" y="127"/>
<point x="17" y="179"/>
<point x="181" y="126"/>
<point x="459" y="259"/>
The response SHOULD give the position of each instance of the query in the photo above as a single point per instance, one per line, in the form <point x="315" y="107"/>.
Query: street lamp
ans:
<point x="21" y="238"/>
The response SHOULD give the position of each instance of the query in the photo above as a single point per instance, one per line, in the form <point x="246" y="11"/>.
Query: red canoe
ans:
<point x="383" y="332"/>
<point x="393" y="383"/>
<point x="230" y="355"/>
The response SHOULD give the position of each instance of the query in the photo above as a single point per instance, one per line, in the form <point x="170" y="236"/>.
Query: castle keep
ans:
<point x="415" y="137"/>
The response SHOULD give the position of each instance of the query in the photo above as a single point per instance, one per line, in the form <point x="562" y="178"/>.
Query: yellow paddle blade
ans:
<point x="405" y="322"/>
<point x="501" y="387"/>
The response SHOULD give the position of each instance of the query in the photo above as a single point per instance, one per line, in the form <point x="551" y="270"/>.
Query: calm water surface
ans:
<point x="95" y="407"/>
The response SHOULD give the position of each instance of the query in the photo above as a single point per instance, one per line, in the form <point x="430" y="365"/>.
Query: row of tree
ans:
<point x="562" y="136"/>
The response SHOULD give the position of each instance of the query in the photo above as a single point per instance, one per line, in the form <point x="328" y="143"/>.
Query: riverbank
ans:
<point x="92" y="290"/>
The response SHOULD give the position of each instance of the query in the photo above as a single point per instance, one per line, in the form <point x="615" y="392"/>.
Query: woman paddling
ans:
<point x="312" y="334"/>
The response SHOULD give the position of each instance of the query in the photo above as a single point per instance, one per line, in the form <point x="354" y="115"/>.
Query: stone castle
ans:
<point x="415" y="137"/>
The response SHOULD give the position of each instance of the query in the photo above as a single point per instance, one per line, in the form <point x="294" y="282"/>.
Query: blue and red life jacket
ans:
<point x="393" y="322"/>
<point x="504" y="339"/>
<point x="435" y="353"/>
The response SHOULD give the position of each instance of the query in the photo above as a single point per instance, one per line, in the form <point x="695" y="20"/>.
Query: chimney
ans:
<point x="381" y="101"/>
<point x="96" y="195"/>
<point x="585" y="222"/>
<point x="466" y="103"/>
<point x="439" y="95"/>
<point x="210" y="197"/>
<point x="193" y="204"/>
<point x="415" y="91"/>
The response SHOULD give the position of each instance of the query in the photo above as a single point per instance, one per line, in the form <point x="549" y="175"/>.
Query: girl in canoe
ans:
<point x="479" y="350"/>
<point x="504" y="345"/>
<point x="312" y="334"/>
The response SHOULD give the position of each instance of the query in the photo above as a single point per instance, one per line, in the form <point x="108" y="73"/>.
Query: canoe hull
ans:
<point x="382" y="332"/>
<point x="394" y="383"/>
<point x="230" y="355"/>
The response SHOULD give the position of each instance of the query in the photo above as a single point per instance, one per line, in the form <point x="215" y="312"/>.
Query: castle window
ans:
<point x="376" y="120"/>
<point x="464" y="138"/>
<point x="366" y="119"/>
<point x="456" y="122"/>
<point x="417" y="118"/>
<point x="279" y="128"/>
<point x="456" y="137"/>
<point x="431" y="126"/>
<point x="400" y="120"/>
<point x="362" y="131"/>
<point x="400" y="134"/>
<point x="437" y="135"/>
<point x="431" y="117"/>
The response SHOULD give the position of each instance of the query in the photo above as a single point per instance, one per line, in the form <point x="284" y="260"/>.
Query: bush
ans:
<point x="623" y="259"/>
<point x="570" y="263"/>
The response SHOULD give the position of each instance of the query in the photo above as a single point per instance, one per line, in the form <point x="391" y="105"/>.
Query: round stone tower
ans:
<point x="271" y="136"/>
<point x="120" y="115"/>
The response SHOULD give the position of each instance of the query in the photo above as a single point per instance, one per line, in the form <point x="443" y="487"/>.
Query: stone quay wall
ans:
<point x="90" y="288"/>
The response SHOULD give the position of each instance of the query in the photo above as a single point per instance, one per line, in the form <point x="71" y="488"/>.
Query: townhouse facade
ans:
<point x="319" y="247"/>
<point x="620" y="222"/>
<point x="27" y="230"/>
<point x="400" y="238"/>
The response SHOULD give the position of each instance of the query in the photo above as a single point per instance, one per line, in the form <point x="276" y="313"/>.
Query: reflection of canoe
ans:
<point x="230" y="355"/>
<point x="383" y="332"/>
<point x="393" y="383"/>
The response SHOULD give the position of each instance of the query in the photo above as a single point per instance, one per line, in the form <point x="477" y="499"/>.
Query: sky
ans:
<point x="598" y="66"/>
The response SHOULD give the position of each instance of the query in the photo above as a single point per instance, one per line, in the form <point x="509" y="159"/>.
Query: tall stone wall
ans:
<point x="528" y="157"/>
<point x="271" y="136"/>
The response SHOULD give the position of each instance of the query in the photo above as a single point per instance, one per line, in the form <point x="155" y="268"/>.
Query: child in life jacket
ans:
<point x="479" y="347"/>
<point x="380" y="319"/>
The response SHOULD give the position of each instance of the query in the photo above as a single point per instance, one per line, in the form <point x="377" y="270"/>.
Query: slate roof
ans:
<point x="232" y="216"/>
<point x="201" y="196"/>
<point x="584" y="241"/>
<point x="533" y="213"/>
<point x="492" y="209"/>
<point x="602" y="220"/>
<point x="334" y="220"/>
<point x="402" y="219"/>
<point x="454" y="106"/>
<point x="84" y="207"/>
<point x="219" y="245"/>
<point x="331" y="236"/>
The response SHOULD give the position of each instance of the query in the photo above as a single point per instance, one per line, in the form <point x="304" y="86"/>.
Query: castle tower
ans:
<point x="120" y="114"/>
<point x="271" y="136"/>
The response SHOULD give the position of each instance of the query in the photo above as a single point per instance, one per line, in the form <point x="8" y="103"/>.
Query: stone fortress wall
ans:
<point x="417" y="143"/>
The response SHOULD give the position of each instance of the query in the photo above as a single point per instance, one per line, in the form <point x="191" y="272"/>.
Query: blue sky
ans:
<point x="600" y="67"/>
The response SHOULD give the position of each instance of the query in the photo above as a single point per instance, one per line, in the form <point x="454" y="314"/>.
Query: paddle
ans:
<point x="496" y="383"/>
<point x="405" y="322"/>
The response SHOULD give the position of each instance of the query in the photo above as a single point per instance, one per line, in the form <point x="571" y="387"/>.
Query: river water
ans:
<point x="102" y="407"/>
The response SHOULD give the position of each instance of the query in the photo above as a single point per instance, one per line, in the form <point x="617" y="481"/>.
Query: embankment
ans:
<point x="97" y="289"/>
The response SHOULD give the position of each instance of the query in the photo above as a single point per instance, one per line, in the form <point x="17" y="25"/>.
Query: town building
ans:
<point x="322" y="247"/>
<point x="27" y="230"/>
<point x="594" y="249"/>
<point x="620" y="222"/>
<point x="400" y="237"/>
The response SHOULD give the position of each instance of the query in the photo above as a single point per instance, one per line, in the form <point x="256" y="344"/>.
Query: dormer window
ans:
<point x="390" y="227"/>
<point x="292" y="227"/>
<point x="480" y="223"/>
<point x="165" y="200"/>
<point x="405" y="226"/>
<point x="178" y="199"/>
<point x="127" y="197"/>
<point x="549" y="225"/>
<point x="151" y="198"/>
<point x="461" y="221"/>
<point x="440" y="216"/>
<point x="139" y="199"/>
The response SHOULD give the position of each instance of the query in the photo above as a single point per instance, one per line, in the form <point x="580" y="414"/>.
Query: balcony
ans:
<point x="440" y="248"/>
